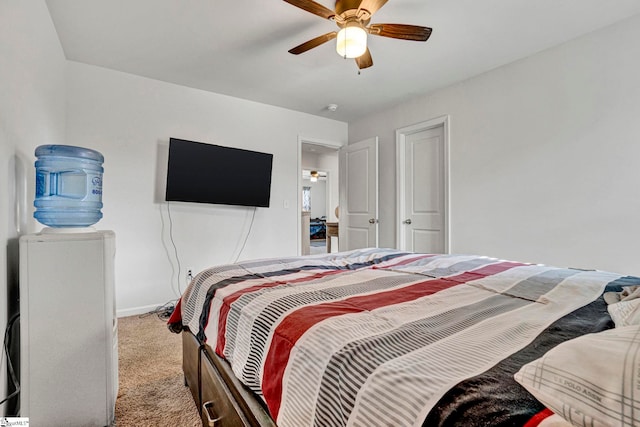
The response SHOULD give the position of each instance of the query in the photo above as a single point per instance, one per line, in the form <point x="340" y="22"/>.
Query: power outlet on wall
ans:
<point x="189" y="276"/>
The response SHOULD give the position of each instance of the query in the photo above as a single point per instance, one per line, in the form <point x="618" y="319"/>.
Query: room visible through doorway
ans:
<point x="319" y="196"/>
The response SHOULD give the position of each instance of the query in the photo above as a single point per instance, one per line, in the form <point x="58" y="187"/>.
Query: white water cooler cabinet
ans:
<point x="68" y="328"/>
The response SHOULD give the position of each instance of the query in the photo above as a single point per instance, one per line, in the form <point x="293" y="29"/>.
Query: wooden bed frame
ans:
<point x="221" y="399"/>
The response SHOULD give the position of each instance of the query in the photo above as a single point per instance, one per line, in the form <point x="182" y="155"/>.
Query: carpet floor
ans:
<point x="151" y="384"/>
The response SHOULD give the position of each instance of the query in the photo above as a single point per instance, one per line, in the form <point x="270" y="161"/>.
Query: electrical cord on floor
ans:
<point x="7" y="345"/>
<point x="163" y="311"/>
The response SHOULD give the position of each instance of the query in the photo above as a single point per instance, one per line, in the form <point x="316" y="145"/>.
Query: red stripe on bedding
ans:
<point x="538" y="418"/>
<point x="299" y="321"/>
<point x="176" y="315"/>
<point x="230" y="299"/>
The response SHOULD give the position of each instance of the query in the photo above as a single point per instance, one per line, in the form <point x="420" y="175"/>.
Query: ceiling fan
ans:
<point x="353" y="17"/>
<point x="314" y="176"/>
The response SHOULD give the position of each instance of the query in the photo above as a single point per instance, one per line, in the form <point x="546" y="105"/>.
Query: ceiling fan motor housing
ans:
<point x="347" y="10"/>
<point x="344" y="5"/>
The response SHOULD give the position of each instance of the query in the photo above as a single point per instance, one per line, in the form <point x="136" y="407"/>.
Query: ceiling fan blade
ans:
<point x="364" y="60"/>
<point x="313" y="7"/>
<point x="371" y="6"/>
<point x="400" y="31"/>
<point x="313" y="43"/>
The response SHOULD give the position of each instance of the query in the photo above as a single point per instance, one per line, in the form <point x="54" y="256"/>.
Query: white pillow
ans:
<point x="625" y="313"/>
<point x="591" y="380"/>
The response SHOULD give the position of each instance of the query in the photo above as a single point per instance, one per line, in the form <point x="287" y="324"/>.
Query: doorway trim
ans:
<point x="315" y="141"/>
<point x="401" y="136"/>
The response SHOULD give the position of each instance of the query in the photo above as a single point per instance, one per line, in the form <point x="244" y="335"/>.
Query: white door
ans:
<point x="359" y="195"/>
<point x="422" y="187"/>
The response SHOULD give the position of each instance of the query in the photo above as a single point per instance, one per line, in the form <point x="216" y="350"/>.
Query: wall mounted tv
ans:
<point x="206" y="173"/>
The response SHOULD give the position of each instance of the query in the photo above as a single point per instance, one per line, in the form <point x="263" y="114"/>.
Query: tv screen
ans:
<point x="206" y="173"/>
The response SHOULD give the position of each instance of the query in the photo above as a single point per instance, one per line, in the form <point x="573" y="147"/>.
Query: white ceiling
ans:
<point x="239" y="47"/>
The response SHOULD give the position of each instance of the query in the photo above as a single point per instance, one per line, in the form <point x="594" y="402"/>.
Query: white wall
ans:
<point x="544" y="155"/>
<point x="32" y="112"/>
<point x="329" y="164"/>
<point x="318" y="195"/>
<point x="130" y="119"/>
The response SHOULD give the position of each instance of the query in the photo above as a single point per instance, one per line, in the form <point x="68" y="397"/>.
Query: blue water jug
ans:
<point x="68" y="186"/>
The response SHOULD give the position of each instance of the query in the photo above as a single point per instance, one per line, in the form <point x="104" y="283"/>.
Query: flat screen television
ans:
<point x="206" y="173"/>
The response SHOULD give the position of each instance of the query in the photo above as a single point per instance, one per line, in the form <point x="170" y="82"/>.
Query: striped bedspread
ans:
<point x="378" y="337"/>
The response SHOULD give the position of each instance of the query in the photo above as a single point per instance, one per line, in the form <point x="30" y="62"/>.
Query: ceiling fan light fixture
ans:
<point x="351" y="40"/>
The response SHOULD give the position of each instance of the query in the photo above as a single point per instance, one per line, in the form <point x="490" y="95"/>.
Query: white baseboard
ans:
<point x="137" y="310"/>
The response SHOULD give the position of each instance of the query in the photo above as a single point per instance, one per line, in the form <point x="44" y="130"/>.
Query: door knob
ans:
<point x="372" y="220"/>
<point x="407" y="221"/>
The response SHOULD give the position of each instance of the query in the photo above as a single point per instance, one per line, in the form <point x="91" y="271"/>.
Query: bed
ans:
<point x="317" y="228"/>
<point x="380" y="337"/>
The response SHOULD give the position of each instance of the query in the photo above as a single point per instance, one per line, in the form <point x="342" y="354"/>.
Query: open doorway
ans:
<point x="316" y="203"/>
<point x="319" y="196"/>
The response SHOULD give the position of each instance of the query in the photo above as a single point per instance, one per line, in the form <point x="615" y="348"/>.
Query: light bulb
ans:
<point x="351" y="41"/>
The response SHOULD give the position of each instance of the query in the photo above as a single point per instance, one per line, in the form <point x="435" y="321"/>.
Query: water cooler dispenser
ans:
<point x="68" y="327"/>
